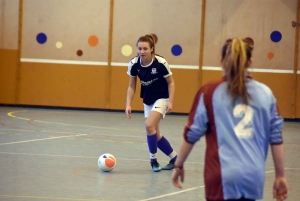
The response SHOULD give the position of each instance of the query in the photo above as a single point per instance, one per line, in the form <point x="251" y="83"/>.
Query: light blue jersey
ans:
<point x="237" y="137"/>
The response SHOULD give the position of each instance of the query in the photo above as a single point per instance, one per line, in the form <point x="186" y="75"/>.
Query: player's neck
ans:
<point x="146" y="62"/>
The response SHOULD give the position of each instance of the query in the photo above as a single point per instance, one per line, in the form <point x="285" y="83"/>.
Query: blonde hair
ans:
<point x="151" y="39"/>
<point x="235" y="56"/>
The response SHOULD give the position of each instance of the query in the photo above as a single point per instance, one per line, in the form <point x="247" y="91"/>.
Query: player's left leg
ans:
<point x="164" y="145"/>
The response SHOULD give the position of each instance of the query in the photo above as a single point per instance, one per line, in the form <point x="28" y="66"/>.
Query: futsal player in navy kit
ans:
<point x="239" y="119"/>
<point x="157" y="92"/>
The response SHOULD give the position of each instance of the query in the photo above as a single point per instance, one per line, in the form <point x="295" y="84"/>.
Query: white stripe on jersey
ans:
<point x="165" y="63"/>
<point x="131" y="63"/>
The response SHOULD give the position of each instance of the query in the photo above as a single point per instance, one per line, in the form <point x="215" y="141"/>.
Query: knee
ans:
<point x="150" y="128"/>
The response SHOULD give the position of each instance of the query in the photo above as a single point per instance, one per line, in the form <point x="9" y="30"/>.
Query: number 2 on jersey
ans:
<point x="240" y="129"/>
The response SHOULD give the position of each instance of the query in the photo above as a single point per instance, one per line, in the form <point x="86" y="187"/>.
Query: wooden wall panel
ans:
<point x="298" y="97"/>
<point x="63" y="85"/>
<point x="119" y="86"/>
<point x="8" y="68"/>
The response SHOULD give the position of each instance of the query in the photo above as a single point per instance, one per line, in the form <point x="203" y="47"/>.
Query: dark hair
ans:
<point x="149" y="38"/>
<point x="235" y="56"/>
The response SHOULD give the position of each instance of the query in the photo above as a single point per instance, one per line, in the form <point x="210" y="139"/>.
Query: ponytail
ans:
<point x="235" y="55"/>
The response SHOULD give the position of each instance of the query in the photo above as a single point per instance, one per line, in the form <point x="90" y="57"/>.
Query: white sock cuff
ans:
<point x="173" y="154"/>
<point x="152" y="156"/>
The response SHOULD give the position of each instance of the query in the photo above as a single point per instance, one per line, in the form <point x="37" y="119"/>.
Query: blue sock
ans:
<point x="164" y="145"/>
<point x="152" y="145"/>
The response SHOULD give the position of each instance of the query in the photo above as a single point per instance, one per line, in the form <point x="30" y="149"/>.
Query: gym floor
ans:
<point x="52" y="154"/>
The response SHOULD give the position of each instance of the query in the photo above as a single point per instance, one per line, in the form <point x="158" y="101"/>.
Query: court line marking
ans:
<point x="153" y="198"/>
<point x="96" y="134"/>
<point x="35" y="140"/>
<point x="190" y="189"/>
<point x="107" y="128"/>
<point x="92" y="157"/>
<point x="52" y="198"/>
<point x="170" y="194"/>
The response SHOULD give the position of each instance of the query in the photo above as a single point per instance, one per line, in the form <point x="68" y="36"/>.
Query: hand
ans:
<point x="177" y="172"/>
<point x="169" y="107"/>
<point x="280" y="189"/>
<point x="128" y="112"/>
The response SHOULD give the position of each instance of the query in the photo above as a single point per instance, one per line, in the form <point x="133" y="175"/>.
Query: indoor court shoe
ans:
<point x="155" y="166"/>
<point x="169" y="166"/>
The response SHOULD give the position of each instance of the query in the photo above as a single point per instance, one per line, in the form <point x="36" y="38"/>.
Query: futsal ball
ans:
<point x="106" y="162"/>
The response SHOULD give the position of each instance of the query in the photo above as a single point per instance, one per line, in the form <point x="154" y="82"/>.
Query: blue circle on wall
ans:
<point x="176" y="50"/>
<point x="276" y="36"/>
<point x="41" y="38"/>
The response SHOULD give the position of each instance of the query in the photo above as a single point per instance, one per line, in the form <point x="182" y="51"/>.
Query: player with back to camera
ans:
<point x="157" y="92"/>
<point x="239" y="118"/>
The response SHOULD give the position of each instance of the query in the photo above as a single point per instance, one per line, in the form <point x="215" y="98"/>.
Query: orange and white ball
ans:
<point x="106" y="162"/>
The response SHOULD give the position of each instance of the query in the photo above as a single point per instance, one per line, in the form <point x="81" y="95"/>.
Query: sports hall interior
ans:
<point x="63" y="84"/>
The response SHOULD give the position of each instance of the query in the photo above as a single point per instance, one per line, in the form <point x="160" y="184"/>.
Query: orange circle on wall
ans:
<point x="270" y="55"/>
<point x="93" y="41"/>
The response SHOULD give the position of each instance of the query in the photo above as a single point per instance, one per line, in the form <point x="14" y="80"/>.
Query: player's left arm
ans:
<point x="171" y="89"/>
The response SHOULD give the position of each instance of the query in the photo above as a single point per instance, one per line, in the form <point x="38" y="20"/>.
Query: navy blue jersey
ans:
<point x="237" y="138"/>
<point x="154" y="85"/>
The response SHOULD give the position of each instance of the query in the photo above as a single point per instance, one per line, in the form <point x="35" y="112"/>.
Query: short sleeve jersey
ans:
<point x="153" y="78"/>
<point x="237" y="138"/>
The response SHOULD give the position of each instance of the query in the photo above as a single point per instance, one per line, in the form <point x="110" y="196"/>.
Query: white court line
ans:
<point x="42" y="131"/>
<point x="51" y="138"/>
<point x="127" y="159"/>
<point x="97" y="134"/>
<point x="49" y="122"/>
<point x="51" y="198"/>
<point x="68" y="156"/>
<point x="190" y="189"/>
<point x="170" y="194"/>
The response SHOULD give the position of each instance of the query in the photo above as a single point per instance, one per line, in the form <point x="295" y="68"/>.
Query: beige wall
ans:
<point x="70" y="22"/>
<point x="256" y="19"/>
<point x="9" y="20"/>
<point x="178" y="24"/>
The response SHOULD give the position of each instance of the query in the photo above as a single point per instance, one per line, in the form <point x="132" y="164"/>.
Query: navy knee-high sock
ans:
<point x="152" y="145"/>
<point x="164" y="145"/>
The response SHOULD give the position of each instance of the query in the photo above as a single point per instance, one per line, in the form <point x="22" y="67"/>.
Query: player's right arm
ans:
<point x="132" y="72"/>
<point x="130" y="95"/>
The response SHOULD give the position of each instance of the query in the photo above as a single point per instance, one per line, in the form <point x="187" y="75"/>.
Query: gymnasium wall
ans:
<point x="9" y="20"/>
<point x="75" y="54"/>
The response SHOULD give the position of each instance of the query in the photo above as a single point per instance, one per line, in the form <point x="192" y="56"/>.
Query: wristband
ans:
<point x="178" y="167"/>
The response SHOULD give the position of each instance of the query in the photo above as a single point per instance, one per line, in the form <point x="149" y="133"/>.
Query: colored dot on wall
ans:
<point x="79" y="52"/>
<point x="176" y="50"/>
<point x="126" y="50"/>
<point x="41" y="38"/>
<point x="59" y="45"/>
<point x="270" y="55"/>
<point x="276" y="36"/>
<point x="93" y="41"/>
